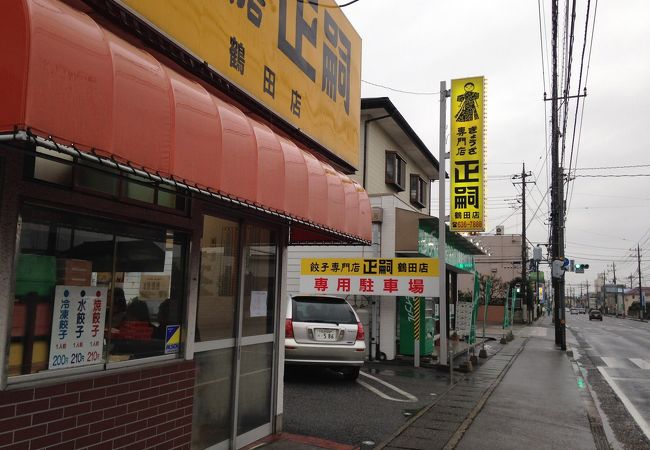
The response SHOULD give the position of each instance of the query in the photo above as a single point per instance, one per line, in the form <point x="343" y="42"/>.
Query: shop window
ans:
<point x="260" y="280"/>
<point x="395" y="171"/>
<point x="218" y="279"/>
<point x="61" y="169"/>
<point x="53" y="167"/>
<point x="89" y="291"/>
<point x="213" y="398"/>
<point x="140" y="189"/>
<point x="102" y="181"/>
<point x="418" y="191"/>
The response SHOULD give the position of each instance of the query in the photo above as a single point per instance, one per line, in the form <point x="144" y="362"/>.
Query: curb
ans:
<point x="465" y="424"/>
<point x="458" y="435"/>
<point x="412" y="420"/>
<point x="593" y="414"/>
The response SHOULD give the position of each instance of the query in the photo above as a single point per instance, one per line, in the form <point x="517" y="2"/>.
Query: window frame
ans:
<point x="107" y="365"/>
<point x="417" y="195"/>
<point x="79" y="167"/>
<point x="398" y="179"/>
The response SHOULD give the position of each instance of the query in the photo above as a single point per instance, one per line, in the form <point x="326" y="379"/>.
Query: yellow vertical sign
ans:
<point x="467" y="193"/>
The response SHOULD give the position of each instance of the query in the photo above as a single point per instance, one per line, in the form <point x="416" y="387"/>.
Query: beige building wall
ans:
<point x="503" y="261"/>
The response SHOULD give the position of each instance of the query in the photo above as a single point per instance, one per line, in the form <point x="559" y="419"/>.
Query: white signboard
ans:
<point x="404" y="277"/>
<point x="369" y="285"/>
<point x="77" y="326"/>
<point x="464" y="318"/>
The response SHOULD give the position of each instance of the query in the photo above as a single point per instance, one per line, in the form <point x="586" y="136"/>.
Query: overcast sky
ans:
<point x="412" y="45"/>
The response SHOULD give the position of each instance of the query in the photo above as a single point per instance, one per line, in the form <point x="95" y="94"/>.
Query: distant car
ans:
<point x="595" y="315"/>
<point x="575" y="311"/>
<point x="324" y="330"/>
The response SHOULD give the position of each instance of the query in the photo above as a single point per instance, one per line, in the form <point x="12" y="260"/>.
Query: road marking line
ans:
<point x="638" y="418"/>
<point x="641" y="363"/>
<point x="409" y="398"/>
<point x="614" y="363"/>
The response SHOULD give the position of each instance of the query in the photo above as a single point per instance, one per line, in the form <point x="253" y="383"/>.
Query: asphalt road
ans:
<point x="614" y="356"/>
<point x="320" y="403"/>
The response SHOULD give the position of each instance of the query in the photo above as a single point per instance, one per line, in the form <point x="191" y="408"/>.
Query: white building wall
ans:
<point x="388" y="199"/>
<point x="379" y="142"/>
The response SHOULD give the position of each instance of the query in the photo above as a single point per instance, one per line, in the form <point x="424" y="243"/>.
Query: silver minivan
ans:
<point x="324" y="330"/>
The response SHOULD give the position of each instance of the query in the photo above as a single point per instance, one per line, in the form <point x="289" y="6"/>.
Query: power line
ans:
<point x="631" y="175"/>
<point x="575" y="120"/>
<point x="634" y="166"/>
<point x="569" y="60"/>
<point x="399" y="90"/>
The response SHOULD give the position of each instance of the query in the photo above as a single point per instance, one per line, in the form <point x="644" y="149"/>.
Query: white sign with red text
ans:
<point x="370" y="276"/>
<point x="77" y="326"/>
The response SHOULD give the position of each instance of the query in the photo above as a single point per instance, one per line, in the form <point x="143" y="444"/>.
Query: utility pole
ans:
<point x="615" y="289"/>
<point x="443" y="357"/>
<point x="604" y="298"/>
<point x="524" y="247"/>
<point x="641" y="298"/>
<point x="557" y="196"/>
<point x="582" y="299"/>
<point x="587" y="285"/>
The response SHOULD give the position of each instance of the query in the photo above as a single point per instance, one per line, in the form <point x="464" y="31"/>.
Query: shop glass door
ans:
<point x="234" y="343"/>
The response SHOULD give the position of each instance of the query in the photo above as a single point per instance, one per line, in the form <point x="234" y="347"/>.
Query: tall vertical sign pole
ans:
<point x="442" y="284"/>
<point x="557" y="198"/>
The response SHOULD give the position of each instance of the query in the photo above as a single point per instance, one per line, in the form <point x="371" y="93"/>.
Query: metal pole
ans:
<point x="537" y="287"/>
<point x="557" y="198"/>
<point x="416" y="331"/>
<point x="615" y="289"/>
<point x="442" y="284"/>
<point x="604" y="298"/>
<point x="523" y="243"/>
<point x="641" y="298"/>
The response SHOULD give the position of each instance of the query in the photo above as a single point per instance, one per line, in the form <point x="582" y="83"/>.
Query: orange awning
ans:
<point x="64" y="76"/>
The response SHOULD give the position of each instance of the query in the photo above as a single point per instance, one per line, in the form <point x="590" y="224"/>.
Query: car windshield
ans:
<point x="322" y="309"/>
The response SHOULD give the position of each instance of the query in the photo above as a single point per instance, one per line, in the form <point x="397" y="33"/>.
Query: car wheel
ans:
<point x="351" y="373"/>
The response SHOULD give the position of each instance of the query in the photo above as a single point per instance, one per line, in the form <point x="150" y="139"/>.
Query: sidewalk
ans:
<point x="525" y="396"/>
<point x="539" y="403"/>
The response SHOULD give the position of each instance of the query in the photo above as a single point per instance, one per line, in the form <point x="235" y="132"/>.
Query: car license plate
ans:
<point x="325" y="334"/>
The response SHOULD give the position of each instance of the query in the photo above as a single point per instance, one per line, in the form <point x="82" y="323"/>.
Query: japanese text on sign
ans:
<point x="467" y="154"/>
<point x="77" y="326"/>
<point x="369" y="276"/>
<point x="281" y="52"/>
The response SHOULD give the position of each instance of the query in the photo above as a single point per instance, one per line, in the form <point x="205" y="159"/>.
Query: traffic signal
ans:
<point x="580" y="268"/>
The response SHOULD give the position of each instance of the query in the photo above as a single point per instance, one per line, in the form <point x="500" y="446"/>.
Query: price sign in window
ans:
<point x="77" y="326"/>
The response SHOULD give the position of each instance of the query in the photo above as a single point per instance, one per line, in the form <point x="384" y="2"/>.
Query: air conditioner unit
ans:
<point x="500" y="229"/>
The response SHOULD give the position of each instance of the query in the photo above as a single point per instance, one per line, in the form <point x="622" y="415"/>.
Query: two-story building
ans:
<point x="397" y="170"/>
